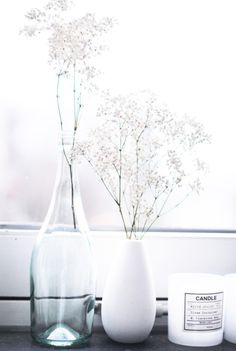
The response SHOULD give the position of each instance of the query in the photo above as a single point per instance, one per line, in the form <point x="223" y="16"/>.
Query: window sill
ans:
<point x="169" y="252"/>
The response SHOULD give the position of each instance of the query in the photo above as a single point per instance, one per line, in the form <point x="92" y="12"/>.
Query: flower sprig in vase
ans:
<point x="145" y="156"/>
<point x="147" y="160"/>
<point x="62" y="274"/>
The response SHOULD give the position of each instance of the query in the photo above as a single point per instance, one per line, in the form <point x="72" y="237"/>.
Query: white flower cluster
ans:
<point x="72" y="42"/>
<point x="143" y="154"/>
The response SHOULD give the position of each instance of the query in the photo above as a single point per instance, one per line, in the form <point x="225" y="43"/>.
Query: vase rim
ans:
<point x="133" y="240"/>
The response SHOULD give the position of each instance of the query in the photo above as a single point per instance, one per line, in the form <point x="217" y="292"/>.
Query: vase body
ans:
<point x="129" y="301"/>
<point x="62" y="275"/>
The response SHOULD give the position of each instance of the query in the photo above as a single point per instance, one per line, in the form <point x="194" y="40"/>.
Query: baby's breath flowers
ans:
<point x="145" y="156"/>
<point x="73" y="44"/>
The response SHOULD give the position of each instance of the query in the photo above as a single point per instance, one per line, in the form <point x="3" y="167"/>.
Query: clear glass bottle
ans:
<point x="62" y="275"/>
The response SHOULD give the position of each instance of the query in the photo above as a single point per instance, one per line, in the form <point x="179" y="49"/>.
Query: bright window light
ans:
<point x="183" y="50"/>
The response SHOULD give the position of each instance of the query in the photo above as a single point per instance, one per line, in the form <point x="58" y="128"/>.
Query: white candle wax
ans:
<point x="195" y="309"/>
<point x="230" y="308"/>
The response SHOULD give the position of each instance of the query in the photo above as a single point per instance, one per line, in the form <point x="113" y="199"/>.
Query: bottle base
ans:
<point x="61" y="335"/>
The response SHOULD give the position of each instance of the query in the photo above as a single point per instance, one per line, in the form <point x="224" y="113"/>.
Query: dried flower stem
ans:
<point x="120" y="189"/>
<point x="69" y="162"/>
<point x="72" y="196"/>
<point x="140" y="169"/>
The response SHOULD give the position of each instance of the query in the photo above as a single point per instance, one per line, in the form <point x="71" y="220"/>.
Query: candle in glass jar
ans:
<point x="230" y="308"/>
<point x="195" y="309"/>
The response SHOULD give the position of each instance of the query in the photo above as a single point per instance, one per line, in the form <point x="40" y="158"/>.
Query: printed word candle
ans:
<point x="195" y="309"/>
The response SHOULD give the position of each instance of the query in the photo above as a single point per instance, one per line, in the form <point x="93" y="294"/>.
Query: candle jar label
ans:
<point x="203" y="312"/>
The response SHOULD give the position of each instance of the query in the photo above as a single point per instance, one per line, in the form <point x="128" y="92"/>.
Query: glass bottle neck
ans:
<point x="66" y="211"/>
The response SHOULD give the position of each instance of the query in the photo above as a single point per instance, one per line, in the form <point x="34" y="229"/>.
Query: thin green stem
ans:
<point x="160" y="211"/>
<point x="75" y="98"/>
<point x="178" y="204"/>
<point x="133" y="226"/>
<point x="137" y="178"/>
<point x="124" y="224"/>
<point x="150" y="211"/>
<point x="72" y="196"/>
<point x="127" y="207"/>
<point x="104" y="183"/>
<point x="120" y="188"/>
<point x="64" y="152"/>
<point x="76" y="108"/>
<point x="60" y="118"/>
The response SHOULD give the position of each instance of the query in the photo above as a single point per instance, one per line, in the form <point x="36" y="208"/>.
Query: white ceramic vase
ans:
<point x="129" y="301"/>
